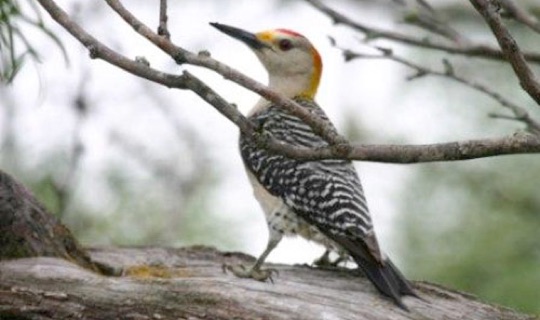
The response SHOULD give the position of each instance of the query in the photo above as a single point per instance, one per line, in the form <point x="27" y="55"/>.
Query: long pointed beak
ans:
<point x="246" y="37"/>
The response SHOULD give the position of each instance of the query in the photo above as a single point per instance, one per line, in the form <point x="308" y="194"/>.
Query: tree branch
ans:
<point x="426" y="18"/>
<point x="459" y="150"/>
<point x="187" y="283"/>
<point x="520" y="113"/>
<point x="527" y="79"/>
<point x="45" y="274"/>
<point x="162" y="29"/>
<point x="100" y="51"/>
<point x="479" y="51"/>
<point x="27" y="229"/>
<point x="519" y="143"/>
<point x="182" y="56"/>
<point x="519" y="14"/>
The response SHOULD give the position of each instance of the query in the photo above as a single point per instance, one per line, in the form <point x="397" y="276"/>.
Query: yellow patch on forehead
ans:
<point x="266" y="35"/>
<point x="270" y="35"/>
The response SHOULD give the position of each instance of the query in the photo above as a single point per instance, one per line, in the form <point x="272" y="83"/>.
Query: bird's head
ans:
<point x="294" y="66"/>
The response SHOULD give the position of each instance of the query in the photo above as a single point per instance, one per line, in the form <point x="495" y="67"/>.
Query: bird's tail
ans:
<point x="386" y="277"/>
<point x="380" y="271"/>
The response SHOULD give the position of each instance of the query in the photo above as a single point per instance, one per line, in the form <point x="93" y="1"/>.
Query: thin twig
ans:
<point x="425" y="17"/>
<point x="527" y="79"/>
<point x="204" y="60"/>
<point x="480" y="51"/>
<point x="517" y="13"/>
<point x="460" y="150"/>
<point x="162" y="29"/>
<point x="101" y="51"/>
<point x="449" y="73"/>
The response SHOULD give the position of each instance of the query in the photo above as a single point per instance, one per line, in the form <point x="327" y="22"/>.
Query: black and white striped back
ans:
<point x="324" y="193"/>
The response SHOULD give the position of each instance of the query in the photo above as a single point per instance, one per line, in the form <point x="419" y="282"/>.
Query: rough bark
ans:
<point x="28" y="230"/>
<point x="188" y="283"/>
<point x="43" y="278"/>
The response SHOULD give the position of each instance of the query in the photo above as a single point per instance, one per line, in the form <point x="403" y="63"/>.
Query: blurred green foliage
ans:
<point x="475" y="226"/>
<point x="136" y="210"/>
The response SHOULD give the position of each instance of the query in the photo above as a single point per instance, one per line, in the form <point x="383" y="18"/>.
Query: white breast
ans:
<point x="281" y="219"/>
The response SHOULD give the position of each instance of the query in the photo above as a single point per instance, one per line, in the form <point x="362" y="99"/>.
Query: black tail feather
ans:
<point x="387" y="279"/>
<point x="405" y="287"/>
<point x="384" y="275"/>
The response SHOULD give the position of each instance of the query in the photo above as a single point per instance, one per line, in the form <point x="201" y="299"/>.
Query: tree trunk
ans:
<point x="44" y="281"/>
<point x="28" y="230"/>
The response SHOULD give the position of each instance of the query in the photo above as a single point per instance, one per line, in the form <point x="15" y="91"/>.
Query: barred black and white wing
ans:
<point x="325" y="193"/>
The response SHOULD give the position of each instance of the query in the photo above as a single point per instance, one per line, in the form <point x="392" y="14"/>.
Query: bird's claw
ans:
<point x="253" y="273"/>
<point x="324" y="261"/>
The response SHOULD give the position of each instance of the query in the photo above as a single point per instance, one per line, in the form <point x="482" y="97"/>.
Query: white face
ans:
<point x="294" y="66"/>
<point x="287" y="55"/>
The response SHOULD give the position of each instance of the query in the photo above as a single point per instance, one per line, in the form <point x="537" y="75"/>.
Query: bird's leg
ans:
<point x="343" y="257"/>
<point x="324" y="261"/>
<point x="255" y="271"/>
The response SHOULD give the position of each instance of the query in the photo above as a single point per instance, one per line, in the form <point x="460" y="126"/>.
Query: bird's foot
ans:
<point x="324" y="261"/>
<point x="254" y="273"/>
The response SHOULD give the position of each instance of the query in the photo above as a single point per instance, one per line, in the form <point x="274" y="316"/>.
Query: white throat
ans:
<point x="290" y="87"/>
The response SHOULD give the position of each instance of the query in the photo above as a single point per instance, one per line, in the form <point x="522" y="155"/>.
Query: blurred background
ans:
<point x="126" y="162"/>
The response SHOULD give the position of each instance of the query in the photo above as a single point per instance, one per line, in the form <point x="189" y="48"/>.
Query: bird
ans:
<point x="319" y="200"/>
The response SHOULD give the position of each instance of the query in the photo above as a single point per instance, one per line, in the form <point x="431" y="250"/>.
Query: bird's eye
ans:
<point x="285" y="44"/>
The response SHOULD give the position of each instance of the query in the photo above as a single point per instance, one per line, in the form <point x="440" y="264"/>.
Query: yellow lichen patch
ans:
<point x="146" y="271"/>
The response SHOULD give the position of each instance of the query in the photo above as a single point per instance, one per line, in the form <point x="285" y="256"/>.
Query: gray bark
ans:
<point x="27" y="229"/>
<point x="45" y="274"/>
<point x="188" y="283"/>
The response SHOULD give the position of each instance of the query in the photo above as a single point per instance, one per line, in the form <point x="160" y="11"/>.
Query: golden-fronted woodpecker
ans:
<point x="321" y="200"/>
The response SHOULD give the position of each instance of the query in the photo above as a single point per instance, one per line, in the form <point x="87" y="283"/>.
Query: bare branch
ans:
<point x="480" y="51"/>
<point x="162" y="29"/>
<point x="101" y="51"/>
<point x="510" y="48"/>
<point x="459" y="150"/>
<point x="425" y="17"/>
<point x="520" y="113"/>
<point x="204" y="60"/>
<point x="187" y="283"/>
<point x="518" y="143"/>
<point x="519" y="14"/>
<point x="185" y="81"/>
